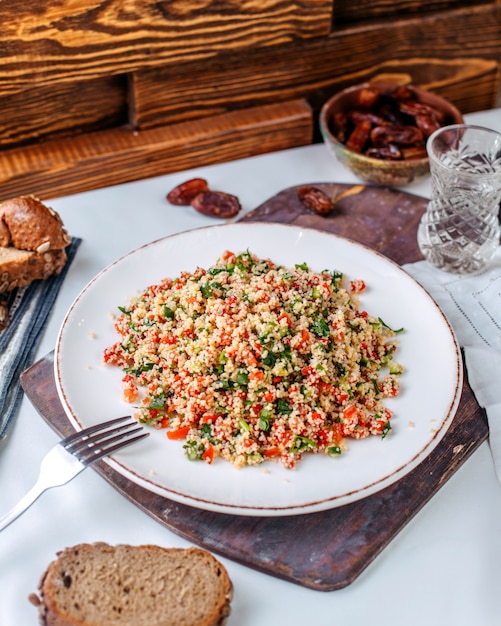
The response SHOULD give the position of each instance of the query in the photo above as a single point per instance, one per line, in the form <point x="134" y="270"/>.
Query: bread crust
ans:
<point x="117" y="583"/>
<point x="27" y="224"/>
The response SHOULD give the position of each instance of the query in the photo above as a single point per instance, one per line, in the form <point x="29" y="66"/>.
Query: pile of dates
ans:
<point x="196" y="192"/>
<point x="391" y="126"/>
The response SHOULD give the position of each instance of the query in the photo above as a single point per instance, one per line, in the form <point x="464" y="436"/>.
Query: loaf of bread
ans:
<point x="32" y="242"/>
<point x="102" y="585"/>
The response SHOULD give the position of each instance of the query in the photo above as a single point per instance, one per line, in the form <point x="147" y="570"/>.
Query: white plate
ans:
<point x="423" y="411"/>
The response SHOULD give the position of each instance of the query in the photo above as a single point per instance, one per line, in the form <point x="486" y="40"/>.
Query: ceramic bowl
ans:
<point x="376" y="170"/>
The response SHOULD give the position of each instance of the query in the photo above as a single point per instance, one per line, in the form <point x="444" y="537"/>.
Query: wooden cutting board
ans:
<point x="326" y="550"/>
<point x="383" y="219"/>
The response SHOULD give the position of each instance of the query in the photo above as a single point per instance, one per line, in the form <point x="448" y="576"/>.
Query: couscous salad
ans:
<point x="251" y="361"/>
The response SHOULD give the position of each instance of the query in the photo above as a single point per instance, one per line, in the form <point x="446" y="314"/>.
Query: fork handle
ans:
<point x="26" y="501"/>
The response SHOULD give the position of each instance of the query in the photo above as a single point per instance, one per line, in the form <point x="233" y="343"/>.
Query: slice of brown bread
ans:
<point x="19" y="267"/>
<point x="102" y="585"/>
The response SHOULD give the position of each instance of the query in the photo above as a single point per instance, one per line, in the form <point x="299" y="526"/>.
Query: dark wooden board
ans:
<point x="326" y="550"/>
<point x="381" y="218"/>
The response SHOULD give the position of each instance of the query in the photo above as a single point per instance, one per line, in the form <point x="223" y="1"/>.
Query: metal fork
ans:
<point x="73" y="454"/>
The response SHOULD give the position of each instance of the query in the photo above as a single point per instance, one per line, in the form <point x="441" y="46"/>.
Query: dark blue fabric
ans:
<point x="29" y="311"/>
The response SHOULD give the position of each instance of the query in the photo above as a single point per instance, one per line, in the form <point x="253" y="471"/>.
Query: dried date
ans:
<point x="427" y="124"/>
<point x="389" y="152"/>
<point x="315" y="200"/>
<point x="414" y="152"/>
<point x="216" y="204"/>
<point x="415" y="108"/>
<point x="368" y="97"/>
<point x="402" y="93"/>
<point x="359" y="136"/>
<point x="358" y="116"/>
<point x="397" y="135"/>
<point x="340" y="126"/>
<point x="183" y="194"/>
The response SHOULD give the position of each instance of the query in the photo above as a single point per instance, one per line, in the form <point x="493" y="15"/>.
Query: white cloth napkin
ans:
<point x="473" y="306"/>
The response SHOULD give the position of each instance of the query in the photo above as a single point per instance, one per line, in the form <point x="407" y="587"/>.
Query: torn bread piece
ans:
<point x="27" y="224"/>
<point x="32" y="242"/>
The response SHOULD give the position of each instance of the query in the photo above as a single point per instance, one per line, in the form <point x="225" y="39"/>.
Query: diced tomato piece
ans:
<point x="225" y="340"/>
<point x="169" y="339"/>
<point x="337" y="432"/>
<point x="324" y="387"/>
<point x="268" y="396"/>
<point x="178" y="433"/>
<point x="350" y="411"/>
<point x="250" y="359"/>
<point x="257" y="375"/>
<point x="130" y="394"/>
<point x="270" y="452"/>
<point x="284" y="437"/>
<point x="130" y="390"/>
<point x="285" y="316"/>
<point x="357" y="286"/>
<point x="208" y="455"/>
<point x="342" y="396"/>
<point x="208" y="419"/>
<point x="323" y="436"/>
<point x="304" y="340"/>
<point x="163" y="422"/>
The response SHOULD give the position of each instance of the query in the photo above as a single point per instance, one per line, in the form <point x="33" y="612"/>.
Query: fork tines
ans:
<point x="97" y="441"/>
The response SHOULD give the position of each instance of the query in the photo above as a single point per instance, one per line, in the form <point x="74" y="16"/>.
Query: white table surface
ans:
<point x="443" y="568"/>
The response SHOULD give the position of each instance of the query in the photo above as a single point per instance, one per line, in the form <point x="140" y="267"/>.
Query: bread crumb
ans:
<point x="411" y="424"/>
<point x="92" y="334"/>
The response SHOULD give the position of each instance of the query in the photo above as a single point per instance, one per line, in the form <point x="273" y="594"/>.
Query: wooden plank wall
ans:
<point x="97" y="92"/>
